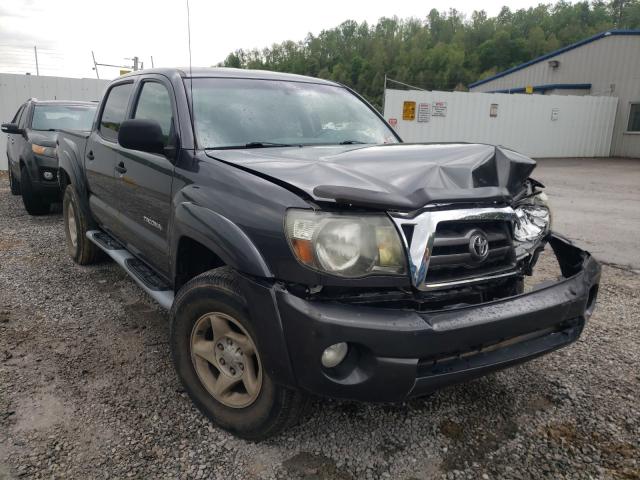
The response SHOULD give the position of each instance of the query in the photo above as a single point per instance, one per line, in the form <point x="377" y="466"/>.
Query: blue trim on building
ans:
<point x="544" y="88"/>
<point x="553" y="54"/>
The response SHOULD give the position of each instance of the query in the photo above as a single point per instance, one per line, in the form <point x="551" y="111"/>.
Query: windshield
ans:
<point x="257" y="113"/>
<point x="68" y="117"/>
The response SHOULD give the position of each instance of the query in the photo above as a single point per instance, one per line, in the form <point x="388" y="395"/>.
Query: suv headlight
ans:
<point x="44" y="151"/>
<point x="533" y="218"/>
<point x="345" y="245"/>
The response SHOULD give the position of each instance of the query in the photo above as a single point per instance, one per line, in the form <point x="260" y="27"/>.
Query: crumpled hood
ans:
<point x="400" y="176"/>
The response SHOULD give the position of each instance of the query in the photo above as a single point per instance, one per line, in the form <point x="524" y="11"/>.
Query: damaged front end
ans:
<point x="462" y="256"/>
<point x="408" y="343"/>
<point x="462" y="310"/>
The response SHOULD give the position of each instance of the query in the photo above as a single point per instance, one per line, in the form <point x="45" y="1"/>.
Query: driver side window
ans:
<point x="154" y="103"/>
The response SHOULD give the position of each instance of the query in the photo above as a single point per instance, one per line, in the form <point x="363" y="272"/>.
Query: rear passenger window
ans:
<point x="154" y="104"/>
<point x="114" y="111"/>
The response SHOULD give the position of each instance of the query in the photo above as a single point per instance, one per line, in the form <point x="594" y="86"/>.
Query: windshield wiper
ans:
<point x="268" y="144"/>
<point x="254" y="145"/>
<point x="351" y="142"/>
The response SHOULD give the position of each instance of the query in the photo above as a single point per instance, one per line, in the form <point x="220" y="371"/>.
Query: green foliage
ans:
<point x="444" y="50"/>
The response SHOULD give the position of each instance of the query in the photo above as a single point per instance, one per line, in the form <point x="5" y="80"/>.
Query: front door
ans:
<point x="14" y="144"/>
<point x="144" y="179"/>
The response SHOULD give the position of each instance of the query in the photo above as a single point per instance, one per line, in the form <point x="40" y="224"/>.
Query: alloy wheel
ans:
<point x="71" y="225"/>
<point x="226" y="360"/>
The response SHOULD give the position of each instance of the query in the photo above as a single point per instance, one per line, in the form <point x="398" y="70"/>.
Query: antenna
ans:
<point x="193" y="130"/>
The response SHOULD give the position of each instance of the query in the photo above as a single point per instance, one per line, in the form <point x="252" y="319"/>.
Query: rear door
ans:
<point x="100" y="156"/>
<point x="144" y="179"/>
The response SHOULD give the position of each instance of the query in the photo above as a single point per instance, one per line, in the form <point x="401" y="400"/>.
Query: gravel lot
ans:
<point x="87" y="390"/>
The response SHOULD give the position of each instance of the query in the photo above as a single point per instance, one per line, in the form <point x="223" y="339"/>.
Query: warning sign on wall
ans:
<point x="424" y="112"/>
<point x="439" y="109"/>
<point x="409" y="111"/>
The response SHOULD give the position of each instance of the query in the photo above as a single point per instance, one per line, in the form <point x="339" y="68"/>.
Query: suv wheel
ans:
<point x="76" y="224"/>
<point x="13" y="183"/>
<point x="33" y="204"/>
<point x="217" y="359"/>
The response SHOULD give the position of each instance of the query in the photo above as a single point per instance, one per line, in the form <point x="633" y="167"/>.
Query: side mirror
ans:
<point x="141" y="134"/>
<point x="12" y="128"/>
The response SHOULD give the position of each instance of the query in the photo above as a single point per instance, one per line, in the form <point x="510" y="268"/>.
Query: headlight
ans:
<point x="44" y="151"/>
<point x="345" y="245"/>
<point x="533" y="219"/>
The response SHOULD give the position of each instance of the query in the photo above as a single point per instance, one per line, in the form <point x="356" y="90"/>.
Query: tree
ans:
<point x="442" y="50"/>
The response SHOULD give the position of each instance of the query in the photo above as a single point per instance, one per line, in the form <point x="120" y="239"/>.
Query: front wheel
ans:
<point x="14" y="185"/>
<point x="216" y="356"/>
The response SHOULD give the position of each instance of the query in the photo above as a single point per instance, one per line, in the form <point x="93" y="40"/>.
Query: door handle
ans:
<point x="121" y="169"/>
<point x="90" y="155"/>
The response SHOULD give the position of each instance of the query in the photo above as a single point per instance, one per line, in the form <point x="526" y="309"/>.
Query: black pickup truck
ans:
<point x="302" y="248"/>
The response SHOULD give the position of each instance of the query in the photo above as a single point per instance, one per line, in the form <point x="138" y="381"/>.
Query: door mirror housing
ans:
<point x="12" y="128"/>
<point x="141" y="134"/>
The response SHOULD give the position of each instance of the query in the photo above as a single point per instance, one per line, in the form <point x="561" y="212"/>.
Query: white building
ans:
<point x="607" y="64"/>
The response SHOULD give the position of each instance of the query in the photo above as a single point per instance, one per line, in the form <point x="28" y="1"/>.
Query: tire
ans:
<point x="33" y="203"/>
<point x="274" y="408"/>
<point x="76" y="224"/>
<point x="13" y="183"/>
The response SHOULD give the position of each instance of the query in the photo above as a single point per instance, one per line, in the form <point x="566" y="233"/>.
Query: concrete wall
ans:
<point x="16" y="89"/>
<point x="536" y="125"/>
<point x="610" y="64"/>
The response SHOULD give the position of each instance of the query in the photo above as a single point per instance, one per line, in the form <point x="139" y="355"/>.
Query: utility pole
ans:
<point x="35" y="50"/>
<point x="384" y="92"/>
<point x="137" y="65"/>
<point x="152" y="62"/>
<point x="95" y="65"/>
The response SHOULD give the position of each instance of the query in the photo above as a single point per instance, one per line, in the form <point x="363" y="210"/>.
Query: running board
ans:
<point x="143" y="275"/>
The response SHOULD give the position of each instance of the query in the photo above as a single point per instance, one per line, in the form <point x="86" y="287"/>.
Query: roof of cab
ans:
<point x="224" y="72"/>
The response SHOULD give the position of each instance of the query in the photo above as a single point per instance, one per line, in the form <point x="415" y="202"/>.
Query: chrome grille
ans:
<point x="449" y="228"/>
<point x="451" y="256"/>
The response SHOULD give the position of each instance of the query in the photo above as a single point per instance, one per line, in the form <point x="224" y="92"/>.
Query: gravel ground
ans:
<point x="87" y="390"/>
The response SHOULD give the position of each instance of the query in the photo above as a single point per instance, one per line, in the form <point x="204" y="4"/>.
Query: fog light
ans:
<point x="47" y="175"/>
<point x="333" y="355"/>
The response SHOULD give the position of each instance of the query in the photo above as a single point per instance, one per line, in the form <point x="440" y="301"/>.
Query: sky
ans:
<point x="65" y="32"/>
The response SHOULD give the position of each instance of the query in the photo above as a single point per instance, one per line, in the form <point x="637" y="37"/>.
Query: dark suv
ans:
<point x="301" y="247"/>
<point x="31" y="148"/>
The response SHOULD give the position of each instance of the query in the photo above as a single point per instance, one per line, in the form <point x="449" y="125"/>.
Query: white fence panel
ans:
<point x="16" y="89"/>
<point x="536" y="125"/>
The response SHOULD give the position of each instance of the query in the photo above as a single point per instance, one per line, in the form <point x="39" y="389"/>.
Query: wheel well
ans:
<point x="63" y="179"/>
<point x="192" y="259"/>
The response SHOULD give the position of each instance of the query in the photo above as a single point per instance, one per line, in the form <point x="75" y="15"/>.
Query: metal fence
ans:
<point x="15" y="89"/>
<point x="536" y="125"/>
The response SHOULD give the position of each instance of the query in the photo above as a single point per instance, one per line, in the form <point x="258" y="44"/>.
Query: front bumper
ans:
<point x="396" y="353"/>
<point x="41" y="186"/>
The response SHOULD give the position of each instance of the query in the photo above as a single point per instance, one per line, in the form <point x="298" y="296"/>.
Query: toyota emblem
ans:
<point x="479" y="246"/>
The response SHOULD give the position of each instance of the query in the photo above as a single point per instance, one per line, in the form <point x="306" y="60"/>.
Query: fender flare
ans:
<point x="220" y="235"/>
<point x="70" y="162"/>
